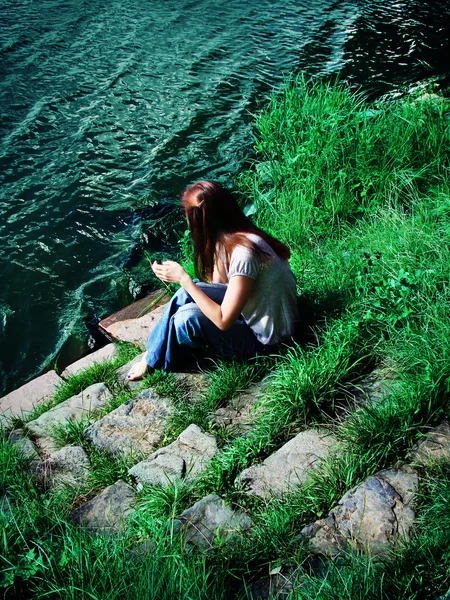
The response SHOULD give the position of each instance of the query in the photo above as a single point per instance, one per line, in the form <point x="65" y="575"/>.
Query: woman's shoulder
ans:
<point x="261" y="244"/>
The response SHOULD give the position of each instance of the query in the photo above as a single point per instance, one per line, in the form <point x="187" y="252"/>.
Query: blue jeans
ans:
<point x="184" y="329"/>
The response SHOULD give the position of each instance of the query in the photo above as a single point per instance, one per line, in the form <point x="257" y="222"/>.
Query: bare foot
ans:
<point x="138" y="370"/>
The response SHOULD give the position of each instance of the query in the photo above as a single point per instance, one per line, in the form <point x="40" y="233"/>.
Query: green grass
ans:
<point x="361" y="193"/>
<point x="326" y="157"/>
<point x="225" y="381"/>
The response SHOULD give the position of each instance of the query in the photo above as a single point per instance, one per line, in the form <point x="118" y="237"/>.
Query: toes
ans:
<point x="136" y="372"/>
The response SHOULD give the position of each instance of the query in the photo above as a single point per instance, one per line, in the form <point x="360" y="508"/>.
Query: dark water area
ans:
<point x="109" y="109"/>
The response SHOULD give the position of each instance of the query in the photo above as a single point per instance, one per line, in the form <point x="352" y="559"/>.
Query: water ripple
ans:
<point x="110" y="109"/>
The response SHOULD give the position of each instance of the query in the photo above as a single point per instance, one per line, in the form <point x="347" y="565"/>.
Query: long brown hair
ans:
<point x="217" y="223"/>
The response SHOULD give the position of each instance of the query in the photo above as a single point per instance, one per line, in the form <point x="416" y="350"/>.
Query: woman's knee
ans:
<point x="181" y="297"/>
<point x="187" y="322"/>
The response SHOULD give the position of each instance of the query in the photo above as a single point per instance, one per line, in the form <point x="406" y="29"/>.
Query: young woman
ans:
<point x="245" y="302"/>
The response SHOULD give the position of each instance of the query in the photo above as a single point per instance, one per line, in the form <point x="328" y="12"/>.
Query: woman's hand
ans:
<point x="170" y="272"/>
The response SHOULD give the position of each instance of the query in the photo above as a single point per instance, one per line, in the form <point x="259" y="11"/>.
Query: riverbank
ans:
<point x="361" y="193"/>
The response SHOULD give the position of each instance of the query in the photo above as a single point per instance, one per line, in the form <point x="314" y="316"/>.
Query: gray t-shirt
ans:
<point x="272" y="310"/>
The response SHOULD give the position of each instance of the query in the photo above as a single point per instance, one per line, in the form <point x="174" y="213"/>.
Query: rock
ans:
<point x="372" y="516"/>
<point x="239" y="415"/>
<point x="280" y="584"/>
<point x="433" y="447"/>
<point x="83" y="405"/>
<point x="291" y="465"/>
<point x="108" y="511"/>
<point x="138" y="426"/>
<point x="121" y="373"/>
<point x="208" y="520"/>
<point x="188" y="456"/>
<point x="68" y="466"/>
<point x="135" y="331"/>
<point x="23" y="444"/>
<point x="34" y="392"/>
<point x="375" y="387"/>
<point x="135" y="310"/>
<point x="193" y="384"/>
<point x="105" y="354"/>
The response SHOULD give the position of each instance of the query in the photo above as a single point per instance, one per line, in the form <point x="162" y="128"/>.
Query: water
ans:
<point x="109" y="109"/>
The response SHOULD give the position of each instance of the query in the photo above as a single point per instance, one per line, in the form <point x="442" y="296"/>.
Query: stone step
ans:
<point x="238" y="415"/>
<point x="192" y="384"/>
<point x="373" y="516"/>
<point x="108" y="512"/>
<point x="136" y="427"/>
<point x="105" y="354"/>
<point x="375" y="387"/>
<point x="25" y="398"/>
<point x="135" y="310"/>
<point x="134" y="330"/>
<point x="185" y="458"/>
<point x="210" y="519"/>
<point x="290" y="466"/>
<point x="432" y="448"/>
<point x="66" y="467"/>
<point x="83" y="405"/>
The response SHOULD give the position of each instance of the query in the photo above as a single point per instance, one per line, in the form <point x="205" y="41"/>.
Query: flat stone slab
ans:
<point x="105" y="354"/>
<point x="135" y="331"/>
<point x="433" y="447"/>
<point x="68" y="466"/>
<point x="372" y="516"/>
<point x="291" y="465"/>
<point x="136" y="427"/>
<point x="81" y="406"/>
<point x="25" y="398"/>
<point x="208" y="519"/>
<point x="239" y="414"/>
<point x="108" y="511"/>
<point x="185" y="458"/>
<point x="135" y="310"/>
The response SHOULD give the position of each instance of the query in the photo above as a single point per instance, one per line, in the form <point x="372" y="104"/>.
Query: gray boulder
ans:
<point x="23" y="444"/>
<point x="187" y="457"/>
<point x="376" y="386"/>
<point x="372" y="516"/>
<point x="433" y="447"/>
<point x="68" y="466"/>
<point x="238" y="415"/>
<point x="82" y="406"/>
<point x="136" y="427"/>
<point x="290" y="466"/>
<point x="209" y="520"/>
<point x="108" y="512"/>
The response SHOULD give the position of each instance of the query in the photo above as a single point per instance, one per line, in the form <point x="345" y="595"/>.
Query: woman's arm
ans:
<point x="222" y="315"/>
